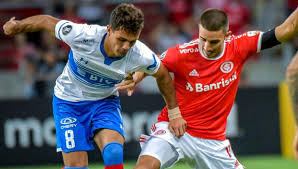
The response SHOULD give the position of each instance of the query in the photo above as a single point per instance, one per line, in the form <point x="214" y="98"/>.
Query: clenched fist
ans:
<point x="10" y="27"/>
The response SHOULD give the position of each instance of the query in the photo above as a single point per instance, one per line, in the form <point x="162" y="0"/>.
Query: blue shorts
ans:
<point x="76" y="121"/>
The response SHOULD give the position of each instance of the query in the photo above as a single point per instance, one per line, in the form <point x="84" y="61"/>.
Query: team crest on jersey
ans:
<point x="227" y="67"/>
<point x="160" y="132"/>
<point x="66" y="29"/>
<point x="163" y="55"/>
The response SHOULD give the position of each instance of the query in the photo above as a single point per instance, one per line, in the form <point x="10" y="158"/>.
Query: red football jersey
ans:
<point x="206" y="87"/>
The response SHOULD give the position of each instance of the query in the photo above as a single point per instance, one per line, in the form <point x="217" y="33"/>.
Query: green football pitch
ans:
<point x="252" y="162"/>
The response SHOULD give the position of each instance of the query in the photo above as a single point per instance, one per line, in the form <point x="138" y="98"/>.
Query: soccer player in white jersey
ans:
<point x="206" y="77"/>
<point x="85" y="103"/>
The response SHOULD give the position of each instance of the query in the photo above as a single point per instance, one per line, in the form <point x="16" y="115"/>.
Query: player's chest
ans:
<point x="207" y="71"/>
<point x="96" y="67"/>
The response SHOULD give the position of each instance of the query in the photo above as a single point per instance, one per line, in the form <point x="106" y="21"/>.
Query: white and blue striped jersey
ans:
<point x="89" y="73"/>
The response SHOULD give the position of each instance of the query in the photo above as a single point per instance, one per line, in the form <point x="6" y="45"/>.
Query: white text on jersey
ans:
<point x="199" y="87"/>
<point x="191" y="50"/>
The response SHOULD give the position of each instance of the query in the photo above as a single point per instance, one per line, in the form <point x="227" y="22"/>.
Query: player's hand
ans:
<point x="177" y="126"/>
<point x="127" y="84"/>
<point x="296" y="144"/>
<point x="10" y="27"/>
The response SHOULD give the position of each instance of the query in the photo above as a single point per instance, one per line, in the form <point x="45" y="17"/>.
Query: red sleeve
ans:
<point x="248" y="44"/>
<point x="169" y="59"/>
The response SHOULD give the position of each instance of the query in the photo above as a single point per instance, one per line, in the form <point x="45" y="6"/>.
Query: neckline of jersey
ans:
<point x="216" y="58"/>
<point x="107" y="60"/>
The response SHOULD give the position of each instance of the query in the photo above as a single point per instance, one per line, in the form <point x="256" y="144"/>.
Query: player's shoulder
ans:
<point x="92" y="30"/>
<point x="140" y="49"/>
<point x="76" y="32"/>
<point x="245" y="35"/>
<point x="140" y="54"/>
<point x="69" y="25"/>
<point x="188" y="48"/>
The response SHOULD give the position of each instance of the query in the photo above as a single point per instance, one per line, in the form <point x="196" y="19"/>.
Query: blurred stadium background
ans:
<point x="260" y="126"/>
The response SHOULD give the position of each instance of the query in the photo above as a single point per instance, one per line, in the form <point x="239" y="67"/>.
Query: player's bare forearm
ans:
<point x="31" y="24"/>
<point x="292" y="80"/>
<point x="288" y="29"/>
<point x="166" y="87"/>
<point x="177" y="125"/>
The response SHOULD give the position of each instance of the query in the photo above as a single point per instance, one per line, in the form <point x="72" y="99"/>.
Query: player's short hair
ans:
<point x="214" y="20"/>
<point x="127" y="17"/>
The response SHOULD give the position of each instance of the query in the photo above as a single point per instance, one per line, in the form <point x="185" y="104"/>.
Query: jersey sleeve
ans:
<point x="169" y="59"/>
<point x="151" y="64"/>
<point x="74" y="34"/>
<point x="147" y="60"/>
<point x="248" y="44"/>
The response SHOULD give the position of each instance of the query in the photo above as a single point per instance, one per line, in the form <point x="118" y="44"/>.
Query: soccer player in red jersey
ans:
<point x="292" y="80"/>
<point x="206" y="77"/>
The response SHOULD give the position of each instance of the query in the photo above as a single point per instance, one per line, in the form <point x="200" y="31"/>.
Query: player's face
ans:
<point x="211" y="42"/>
<point x="121" y="41"/>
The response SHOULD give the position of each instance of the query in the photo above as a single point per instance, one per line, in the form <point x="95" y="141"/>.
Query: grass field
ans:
<point x="254" y="162"/>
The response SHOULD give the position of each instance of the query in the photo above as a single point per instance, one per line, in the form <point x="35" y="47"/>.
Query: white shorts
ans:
<point x="198" y="153"/>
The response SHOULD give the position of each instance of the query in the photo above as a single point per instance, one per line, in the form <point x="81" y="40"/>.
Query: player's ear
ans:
<point x="229" y="33"/>
<point x="109" y="29"/>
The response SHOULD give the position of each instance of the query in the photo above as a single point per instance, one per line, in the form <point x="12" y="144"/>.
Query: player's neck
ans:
<point x="107" y="48"/>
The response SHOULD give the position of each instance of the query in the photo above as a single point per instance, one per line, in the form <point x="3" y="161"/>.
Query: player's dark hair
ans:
<point x="127" y="17"/>
<point x="214" y="20"/>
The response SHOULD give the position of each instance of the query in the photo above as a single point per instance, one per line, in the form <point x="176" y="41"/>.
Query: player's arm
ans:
<point x="288" y="29"/>
<point x="282" y="33"/>
<point x="164" y="81"/>
<point x="292" y="80"/>
<point x="31" y="24"/>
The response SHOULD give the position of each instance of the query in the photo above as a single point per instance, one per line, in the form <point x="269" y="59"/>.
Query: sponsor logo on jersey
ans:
<point x="96" y="79"/>
<point x="193" y="73"/>
<point x="160" y="132"/>
<point x="66" y="29"/>
<point x="88" y="76"/>
<point x="199" y="87"/>
<point x="191" y="50"/>
<point x="227" y="67"/>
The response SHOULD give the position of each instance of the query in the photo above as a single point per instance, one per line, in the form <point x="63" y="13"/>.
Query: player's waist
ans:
<point x="77" y="93"/>
<point x="211" y="128"/>
<point x="206" y="134"/>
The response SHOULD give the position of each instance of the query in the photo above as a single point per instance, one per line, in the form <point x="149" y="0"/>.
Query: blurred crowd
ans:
<point x="40" y="58"/>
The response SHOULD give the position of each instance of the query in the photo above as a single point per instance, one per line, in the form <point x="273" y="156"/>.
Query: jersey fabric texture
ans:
<point x="206" y="87"/>
<point x="75" y="122"/>
<point x="89" y="73"/>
